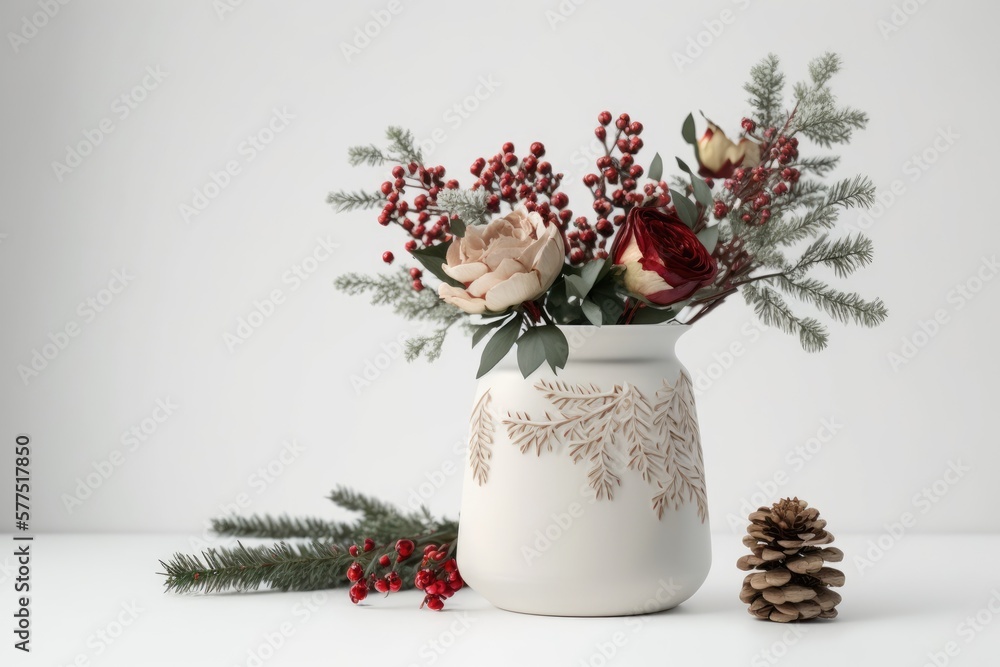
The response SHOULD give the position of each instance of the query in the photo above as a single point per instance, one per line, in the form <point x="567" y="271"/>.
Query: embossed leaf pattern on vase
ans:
<point x="619" y="429"/>
<point x="481" y="438"/>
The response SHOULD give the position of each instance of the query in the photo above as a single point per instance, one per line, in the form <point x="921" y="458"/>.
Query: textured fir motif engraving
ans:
<point x="481" y="429"/>
<point x="620" y="429"/>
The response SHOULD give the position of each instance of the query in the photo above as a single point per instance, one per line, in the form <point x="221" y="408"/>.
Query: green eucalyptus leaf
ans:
<point x="499" y="345"/>
<point x="687" y="130"/>
<point x="702" y="192"/>
<point x="709" y="238"/>
<point x="656" y="166"/>
<point x="483" y="329"/>
<point x="556" y="346"/>
<point x="592" y="312"/>
<point x="530" y="350"/>
<point x="433" y="257"/>
<point x="457" y="227"/>
<point x="687" y="211"/>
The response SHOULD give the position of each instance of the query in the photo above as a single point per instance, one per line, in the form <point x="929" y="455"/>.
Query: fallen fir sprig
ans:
<point x="385" y="550"/>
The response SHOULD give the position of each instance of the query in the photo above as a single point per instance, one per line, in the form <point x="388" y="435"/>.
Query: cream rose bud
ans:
<point x="511" y="260"/>
<point x="719" y="157"/>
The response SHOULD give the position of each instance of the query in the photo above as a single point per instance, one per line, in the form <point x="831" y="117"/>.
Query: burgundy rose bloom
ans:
<point x="664" y="261"/>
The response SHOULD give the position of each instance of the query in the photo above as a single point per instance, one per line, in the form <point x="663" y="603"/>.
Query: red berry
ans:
<point x="353" y="550"/>
<point x="604" y="117"/>
<point x="748" y="125"/>
<point x="622" y="121"/>
<point x="418" y="286"/>
<point x="600" y="133"/>
<point x="410" y="246"/>
<point x="634" y="145"/>
<point x="537" y="149"/>
<point x="576" y="255"/>
<point x="387" y="257"/>
<point x="507" y="148"/>
<point x="559" y="200"/>
<point x="544" y="168"/>
<point x="383" y="560"/>
<point x="404" y="548"/>
<point x="398" y="172"/>
<point x="382" y="586"/>
<point x="635" y="171"/>
<point x="604" y="227"/>
<point x="434" y="602"/>
<point x="358" y="592"/>
<point x="415" y="273"/>
<point x="590" y="180"/>
<point x="720" y="209"/>
<point x="386" y="188"/>
<point x="622" y="145"/>
<point x="635" y="127"/>
<point x="355" y="572"/>
<point x="369" y="544"/>
<point x="395" y="583"/>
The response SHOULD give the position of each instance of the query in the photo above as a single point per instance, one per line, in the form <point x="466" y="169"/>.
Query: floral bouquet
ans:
<point x="511" y="253"/>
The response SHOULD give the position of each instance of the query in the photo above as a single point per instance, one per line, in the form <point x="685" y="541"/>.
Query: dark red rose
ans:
<point x="664" y="261"/>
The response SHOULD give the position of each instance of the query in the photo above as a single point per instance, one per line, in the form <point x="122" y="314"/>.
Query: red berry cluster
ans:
<point x="757" y="188"/>
<point x="438" y="576"/>
<point x="514" y="180"/>
<point x="617" y="171"/>
<point x="420" y="217"/>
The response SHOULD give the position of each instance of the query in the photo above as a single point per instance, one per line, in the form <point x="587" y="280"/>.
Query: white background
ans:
<point x="161" y="338"/>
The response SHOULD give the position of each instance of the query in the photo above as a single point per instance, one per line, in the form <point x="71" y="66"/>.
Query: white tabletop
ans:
<point x="925" y="596"/>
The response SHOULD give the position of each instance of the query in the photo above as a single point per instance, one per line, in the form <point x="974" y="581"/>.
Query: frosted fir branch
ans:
<point x="766" y="90"/>
<point x="851" y="193"/>
<point x="822" y="69"/>
<point x="820" y="166"/>
<point x="370" y="155"/>
<point x="844" y="307"/>
<point x="401" y="145"/>
<point x="848" y="193"/>
<point x="344" y="201"/>
<point x="817" y="116"/>
<point x="774" y="312"/>
<point x="844" y="256"/>
<point x="468" y="205"/>
<point x="428" y="346"/>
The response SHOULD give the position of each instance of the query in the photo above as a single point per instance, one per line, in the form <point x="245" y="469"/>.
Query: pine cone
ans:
<point x="793" y="584"/>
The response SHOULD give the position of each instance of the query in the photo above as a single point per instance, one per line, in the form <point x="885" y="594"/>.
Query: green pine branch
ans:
<point x="401" y="146"/>
<point x="849" y="193"/>
<point x="370" y="155"/>
<point x="817" y="115"/>
<point x="844" y="256"/>
<point x="844" y="307"/>
<point x="774" y="312"/>
<point x="766" y="90"/>
<point x="320" y="563"/>
<point x="280" y="527"/>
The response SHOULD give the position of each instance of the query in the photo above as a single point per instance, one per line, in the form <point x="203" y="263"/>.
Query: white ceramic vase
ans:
<point x="584" y="493"/>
